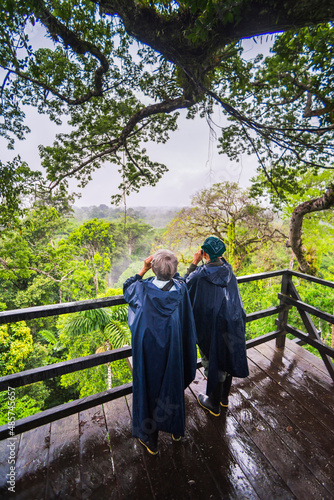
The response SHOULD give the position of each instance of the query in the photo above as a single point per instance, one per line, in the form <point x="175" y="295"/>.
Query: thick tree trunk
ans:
<point x="295" y="236"/>
<point x="170" y="35"/>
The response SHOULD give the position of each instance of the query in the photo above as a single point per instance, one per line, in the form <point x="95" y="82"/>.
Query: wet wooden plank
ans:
<point x="301" y="373"/>
<point x="265" y="480"/>
<point x="167" y="482"/>
<point x="129" y="469"/>
<point x="208" y="434"/>
<point x="311" y="359"/>
<point x="31" y="464"/>
<point x="283" y="374"/>
<point x="292" y="423"/>
<point x="97" y="475"/>
<point x="183" y="461"/>
<point x="8" y="458"/>
<point x="268" y="444"/>
<point x="64" y="478"/>
<point x="188" y="461"/>
<point x="306" y="374"/>
<point x="281" y="400"/>
<point x="162" y="467"/>
<point x="294" y="473"/>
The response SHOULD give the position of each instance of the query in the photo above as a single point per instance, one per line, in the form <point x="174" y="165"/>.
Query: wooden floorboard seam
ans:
<point x="306" y="383"/>
<point x="291" y="406"/>
<point x="128" y="401"/>
<point x="312" y="359"/>
<point x="297" y="391"/>
<point x="272" y="443"/>
<point x="214" y="421"/>
<point x="320" y="477"/>
<point x="318" y="378"/>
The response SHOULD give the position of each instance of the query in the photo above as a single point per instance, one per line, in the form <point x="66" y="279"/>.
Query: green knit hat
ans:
<point x="214" y="247"/>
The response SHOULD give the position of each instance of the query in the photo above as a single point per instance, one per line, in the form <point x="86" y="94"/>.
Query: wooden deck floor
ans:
<point x="276" y="441"/>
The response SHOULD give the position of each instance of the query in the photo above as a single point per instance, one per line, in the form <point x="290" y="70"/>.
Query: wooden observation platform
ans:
<point x="275" y="441"/>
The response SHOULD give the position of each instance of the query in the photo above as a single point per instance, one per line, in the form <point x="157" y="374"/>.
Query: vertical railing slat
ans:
<point x="283" y="315"/>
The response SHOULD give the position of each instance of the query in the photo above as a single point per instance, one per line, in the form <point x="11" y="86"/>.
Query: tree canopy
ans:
<point x="226" y="211"/>
<point x="118" y="70"/>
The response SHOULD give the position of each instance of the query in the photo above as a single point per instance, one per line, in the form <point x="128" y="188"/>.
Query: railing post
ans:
<point x="312" y="331"/>
<point x="283" y="315"/>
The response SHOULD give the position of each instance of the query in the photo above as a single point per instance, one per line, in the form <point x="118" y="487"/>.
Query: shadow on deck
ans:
<point x="275" y="441"/>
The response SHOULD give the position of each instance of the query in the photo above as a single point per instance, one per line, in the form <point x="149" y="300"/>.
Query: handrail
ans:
<point x="67" y="409"/>
<point x="288" y="298"/>
<point x="56" y="369"/>
<point x="307" y="308"/>
<point x="261" y="276"/>
<point x="84" y="305"/>
<point x="58" y="309"/>
<point x="308" y="277"/>
<point x="63" y="367"/>
<point x="322" y="348"/>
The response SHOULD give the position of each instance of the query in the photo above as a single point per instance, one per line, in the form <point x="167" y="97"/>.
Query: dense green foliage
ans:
<point x="227" y="212"/>
<point x="92" y="331"/>
<point x="45" y="247"/>
<point x="46" y="258"/>
<point x="119" y="71"/>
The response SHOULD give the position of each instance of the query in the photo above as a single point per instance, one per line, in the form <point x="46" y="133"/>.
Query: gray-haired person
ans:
<point x="163" y="349"/>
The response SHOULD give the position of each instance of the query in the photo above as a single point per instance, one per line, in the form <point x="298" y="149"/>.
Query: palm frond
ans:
<point x="119" y="334"/>
<point x="120" y="313"/>
<point x="101" y="349"/>
<point x="85" y="322"/>
<point x="48" y="336"/>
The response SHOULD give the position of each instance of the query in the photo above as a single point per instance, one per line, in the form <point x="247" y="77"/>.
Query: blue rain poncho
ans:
<point x="164" y="354"/>
<point x="220" y="320"/>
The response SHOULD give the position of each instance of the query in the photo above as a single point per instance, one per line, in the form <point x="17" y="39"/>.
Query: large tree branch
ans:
<point x="295" y="234"/>
<point x="308" y="112"/>
<point x="79" y="46"/>
<point x="169" y="35"/>
<point x="55" y="280"/>
<point x="167" y="106"/>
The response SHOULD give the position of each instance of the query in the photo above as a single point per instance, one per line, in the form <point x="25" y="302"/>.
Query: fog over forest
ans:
<point x="157" y="217"/>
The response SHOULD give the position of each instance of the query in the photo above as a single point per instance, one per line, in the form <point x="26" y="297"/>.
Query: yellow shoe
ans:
<point x="151" y="447"/>
<point x="206" y="403"/>
<point x="176" y="437"/>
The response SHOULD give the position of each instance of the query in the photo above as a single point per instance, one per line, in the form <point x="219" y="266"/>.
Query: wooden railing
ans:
<point x="288" y="298"/>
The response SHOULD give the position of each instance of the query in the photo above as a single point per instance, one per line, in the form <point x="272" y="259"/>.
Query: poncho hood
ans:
<point x="217" y="275"/>
<point x="163" y="303"/>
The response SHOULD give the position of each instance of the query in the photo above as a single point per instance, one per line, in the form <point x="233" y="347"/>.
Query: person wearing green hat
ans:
<point x="220" y="322"/>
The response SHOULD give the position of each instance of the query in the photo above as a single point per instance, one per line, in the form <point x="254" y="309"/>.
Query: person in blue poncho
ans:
<point x="220" y="322"/>
<point x="163" y="349"/>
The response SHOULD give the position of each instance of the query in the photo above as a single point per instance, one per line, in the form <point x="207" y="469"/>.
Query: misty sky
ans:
<point x="191" y="156"/>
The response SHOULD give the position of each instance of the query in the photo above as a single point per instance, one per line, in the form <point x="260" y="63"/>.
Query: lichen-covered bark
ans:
<point x="169" y="34"/>
<point x="172" y="35"/>
<point x="295" y="237"/>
